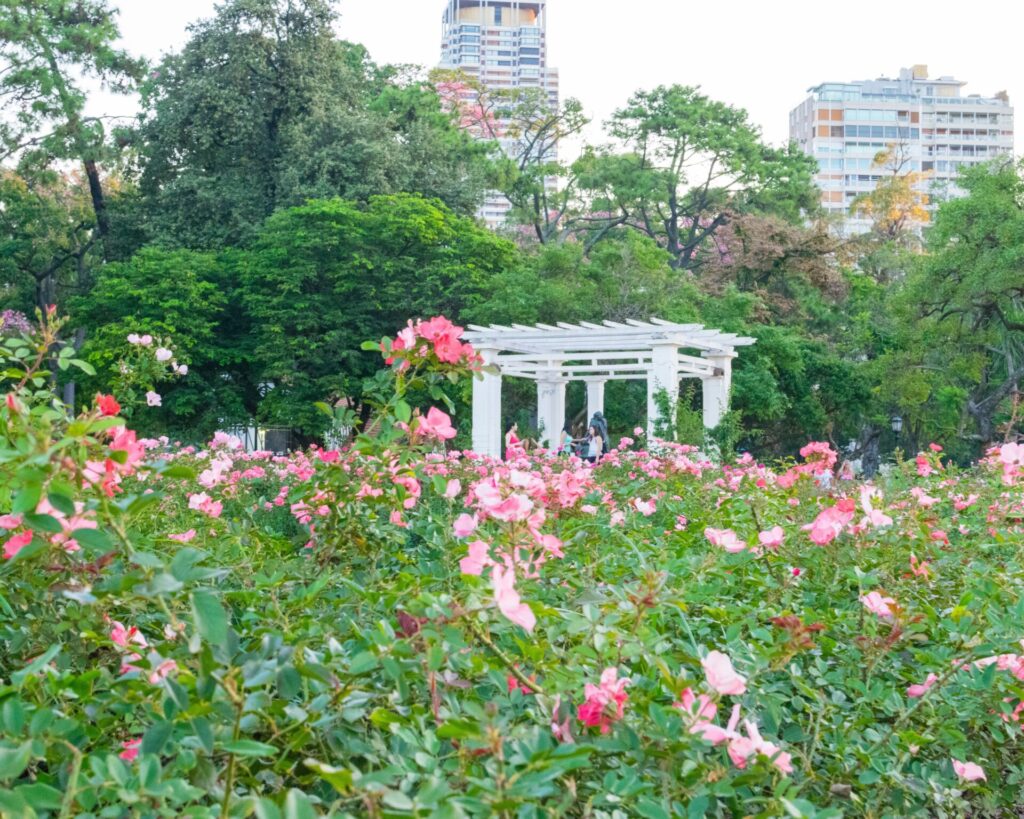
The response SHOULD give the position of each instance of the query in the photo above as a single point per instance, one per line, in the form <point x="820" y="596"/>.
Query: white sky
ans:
<point x="760" y="55"/>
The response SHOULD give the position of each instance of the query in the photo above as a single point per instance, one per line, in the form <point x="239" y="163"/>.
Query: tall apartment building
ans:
<point x="938" y="132"/>
<point x="502" y="43"/>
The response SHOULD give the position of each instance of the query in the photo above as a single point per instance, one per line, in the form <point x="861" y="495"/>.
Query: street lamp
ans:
<point x="897" y="423"/>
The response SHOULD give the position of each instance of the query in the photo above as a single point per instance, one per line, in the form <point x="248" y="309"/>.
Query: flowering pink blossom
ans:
<point x="872" y="516"/>
<point x="153" y="399"/>
<point x="645" y="507"/>
<point x="725" y="538"/>
<point x="919" y="689"/>
<point x="478" y="558"/>
<point x="163" y="354"/>
<point x="202" y="502"/>
<point x="452" y="488"/>
<point x="773" y="538"/>
<point x="10" y="522"/>
<point x="465" y="525"/>
<point x="508" y="600"/>
<point x="16" y="544"/>
<point x="436" y="424"/>
<point x="878" y="604"/>
<point x="831" y="521"/>
<point x="721" y="676"/>
<point x="968" y="771"/>
<point x="924" y="466"/>
<point x="130" y="749"/>
<point x="698" y="707"/>
<point x="163" y="670"/>
<point x="605" y="703"/>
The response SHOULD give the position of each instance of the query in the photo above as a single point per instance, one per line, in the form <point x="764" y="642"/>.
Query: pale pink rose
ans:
<point x="163" y="354"/>
<point x="436" y="424"/>
<point x="9" y="522"/>
<point x="968" y="771"/>
<point x="130" y="750"/>
<point x="645" y="508"/>
<point x="721" y="676"/>
<point x="16" y="544"/>
<point x="479" y="556"/>
<point x="725" y="538"/>
<point x="919" y="689"/>
<point x="773" y="538"/>
<point x="878" y="604"/>
<point x="162" y="671"/>
<point x="465" y="525"/>
<point x="453" y="488"/>
<point x="184" y="537"/>
<point x="508" y="600"/>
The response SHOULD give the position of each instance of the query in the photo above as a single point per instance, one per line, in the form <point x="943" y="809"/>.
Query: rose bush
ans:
<point x="396" y="629"/>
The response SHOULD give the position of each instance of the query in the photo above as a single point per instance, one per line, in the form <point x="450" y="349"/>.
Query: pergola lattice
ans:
<point x="597" y="353"/>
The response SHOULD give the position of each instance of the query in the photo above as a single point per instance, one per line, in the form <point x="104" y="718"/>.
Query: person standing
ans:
<point x="595" y="445"/>
<point x="565" y="440"/>
<point x="513" y="445"/>
<point x="601" y="425"/>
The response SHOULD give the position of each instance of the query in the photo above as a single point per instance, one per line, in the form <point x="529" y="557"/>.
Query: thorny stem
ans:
<point x="505" y="659"/>
<point x="72" y="787"/>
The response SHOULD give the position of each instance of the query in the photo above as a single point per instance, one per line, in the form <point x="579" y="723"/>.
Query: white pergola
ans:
<point x="660" y="352"/>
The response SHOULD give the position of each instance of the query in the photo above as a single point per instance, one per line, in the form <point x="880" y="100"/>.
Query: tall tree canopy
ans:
<point x="48" y="48"/>
<point x="324" y="277"/>
<point x="264" y="108"/>
<point x="690" y="162"/>
<point x="966" y="297"/>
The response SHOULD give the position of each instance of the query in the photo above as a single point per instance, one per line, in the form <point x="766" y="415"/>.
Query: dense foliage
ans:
<point x="280" y="196"/>
<point x="396" y="629"/>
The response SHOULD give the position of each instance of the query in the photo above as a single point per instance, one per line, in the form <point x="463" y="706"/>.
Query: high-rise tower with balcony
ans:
<point x="502" y="44"/>
<point x="936" y="130"/>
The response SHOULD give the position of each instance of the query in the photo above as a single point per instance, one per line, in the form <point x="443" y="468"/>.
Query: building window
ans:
<point x="497" y="16"/>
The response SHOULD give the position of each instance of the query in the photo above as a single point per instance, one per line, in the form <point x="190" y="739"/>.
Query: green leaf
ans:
<point x="179" y="472"/>
<point x="249" y="747"/>
<point x="36" y="665"/>
<point x="156" y="737"/>
<point x="298" y="806"/>
<point x="95" y="540"/>
<point x="41" y="796"/>
<point x="27" y="499"/>
<point x="210" y="618"/>
<point x="403" y="412"/>
<point x="339" y="778"/>
<point x="13" y="761"/>
<point x="44" y="523"/>
<point x="62" y="503"/>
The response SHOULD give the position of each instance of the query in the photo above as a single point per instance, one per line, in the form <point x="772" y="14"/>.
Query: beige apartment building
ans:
<point x="936" y="130"/>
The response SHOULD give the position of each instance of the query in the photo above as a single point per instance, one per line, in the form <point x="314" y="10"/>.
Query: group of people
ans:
<point x="590" y="447"/>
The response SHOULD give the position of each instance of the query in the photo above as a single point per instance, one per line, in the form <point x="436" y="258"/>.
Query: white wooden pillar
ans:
<point x="595" y="397"/>
<point x="550" y="408"/>
<point x="716" y="388"/>
<point x="663" y="375"/>
<point x="487" y="408"/>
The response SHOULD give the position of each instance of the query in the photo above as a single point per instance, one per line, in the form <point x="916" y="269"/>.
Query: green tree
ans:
<point x="49" y="48"/>
<point x="47" y="238"/>
<point x="265" y="108"/>
<point x="964" y="306"/>
<point x="326" y="276"/>
<point x="188" y="297"/>
<point x="691" y="163"/>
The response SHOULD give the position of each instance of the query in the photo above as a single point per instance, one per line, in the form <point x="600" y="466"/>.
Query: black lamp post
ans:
<point x="897" y="423"/>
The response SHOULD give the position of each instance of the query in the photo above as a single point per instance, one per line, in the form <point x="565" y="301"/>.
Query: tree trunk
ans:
<point x="99" y="204"/>
<point x="870" y="453"/>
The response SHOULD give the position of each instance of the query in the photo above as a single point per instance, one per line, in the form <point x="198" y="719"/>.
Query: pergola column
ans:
<point x="550" y="408"/>
<point x="487" y="407"/>
<point x="663" y="375"/>
<point x="595" y="397"/>
<point x="716" y="388"/>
